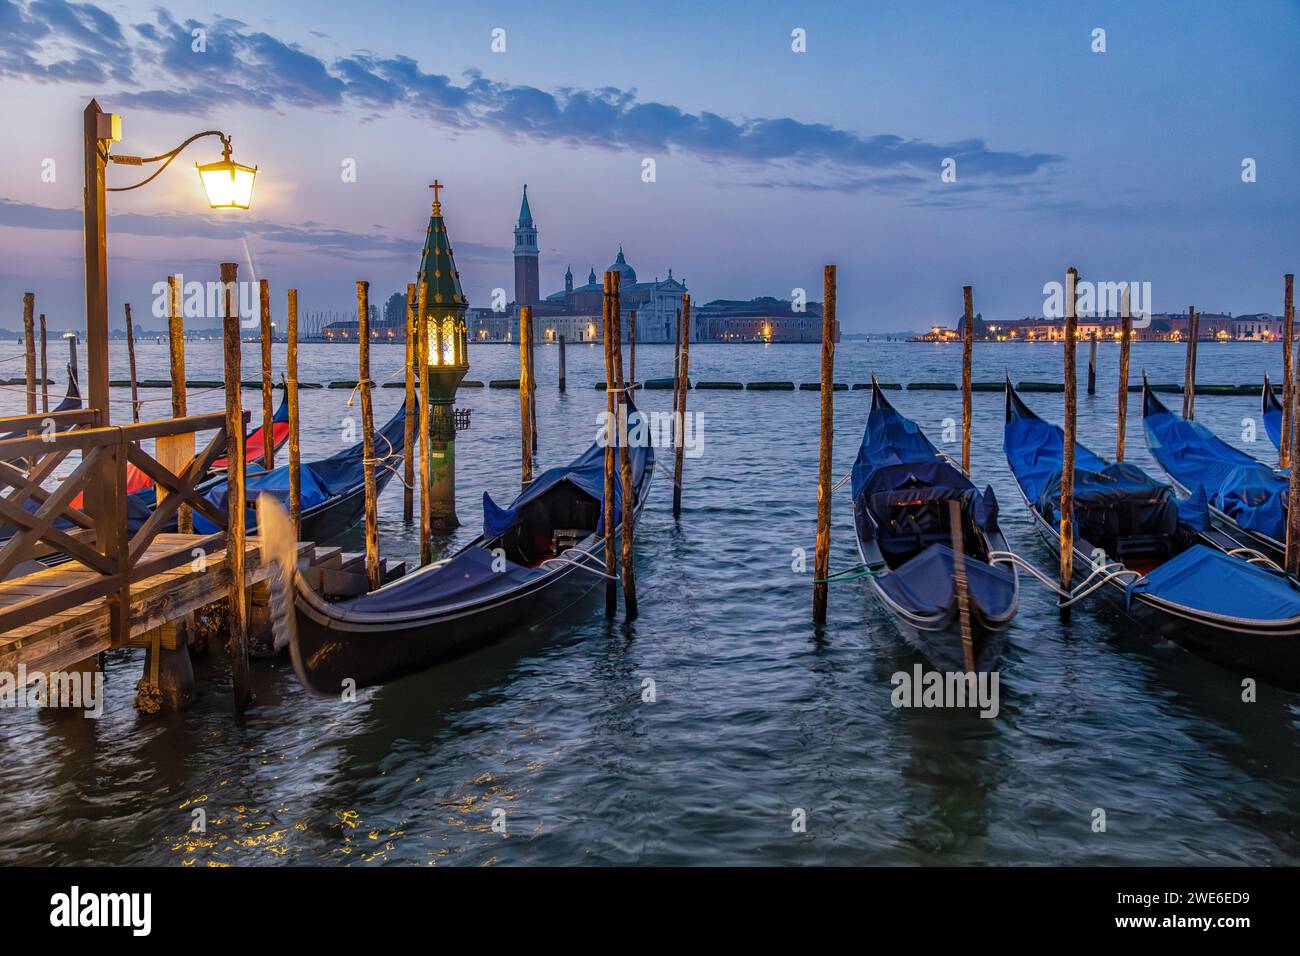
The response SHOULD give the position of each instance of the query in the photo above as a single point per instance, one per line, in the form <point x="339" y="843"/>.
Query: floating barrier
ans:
<point x="931" y="387"/>
<point x="467" y="383"/>
<point x="722" y="386"/>
<point x="507" y="383"/>
<point x="664" y="384"/>
<point x="892" y="386"/>
<point x="770" y="386"/>
<point x="1040" y="387"/>
<point x="817" y="387"/>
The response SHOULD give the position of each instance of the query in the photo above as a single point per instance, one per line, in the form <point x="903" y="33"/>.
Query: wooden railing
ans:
<point x="99" y="537"/>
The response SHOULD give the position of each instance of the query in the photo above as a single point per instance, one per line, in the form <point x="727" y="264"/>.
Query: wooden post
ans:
<point x="967" y="355"/>
<point x="426" y="478"/>
<point x="562" y="382"/>
<point x="29" y="339"/>
<point x="679" y="420"/>
<point x="130" y="357"/>
<point x="408" y="443"/>
<point x="960" y="584"/>
<point x="1189" y="372"/>
<point x="268" y="400"/>
<point x="625" y="473"/>
<point x="72" y="356"/>
<point x="45" y="369"/>
<point x="1288" y="376"/>
<point x="631" y="376"/>
<point x="1067" y="449"/>
<point x="1092" y="363"/>
<point x="609" y="307"/>
<point x="526" y="394"/>
<point x="532" y="384"/>
<point x="374" y="573"/>
<point x="677" y="362"/>
<point x="822" y="561"/>
<point x="1125" y="340"/>
<point x="291" y="392"/>
<point x="235" y="504"/>
<point x="1288" y="386"/>
<point x="180" y="399"/>
<point x="1191" y="382"/>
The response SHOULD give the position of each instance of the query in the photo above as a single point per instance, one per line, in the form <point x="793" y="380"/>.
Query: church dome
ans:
<point x="628" y="274"/>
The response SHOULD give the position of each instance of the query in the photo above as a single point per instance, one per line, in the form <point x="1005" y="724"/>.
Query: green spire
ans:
<point x="525" y="214"/>
<point x="437" y="267"/>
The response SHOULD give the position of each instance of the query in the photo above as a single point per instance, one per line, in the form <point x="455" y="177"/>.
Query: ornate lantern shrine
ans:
<point x="447" y="359"/>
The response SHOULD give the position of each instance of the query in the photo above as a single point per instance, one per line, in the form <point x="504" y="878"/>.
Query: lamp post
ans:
<point x="447" y="359"/>
<point x="229" y="185"/>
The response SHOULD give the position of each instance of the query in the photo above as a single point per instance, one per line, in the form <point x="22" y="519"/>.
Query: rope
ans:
<point x="1104" y="575"/>
<point x="563" y="558"/>
<point x="854" y="573"/>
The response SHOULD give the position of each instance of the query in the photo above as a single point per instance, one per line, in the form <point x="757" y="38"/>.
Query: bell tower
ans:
<point x="527" y="289"/>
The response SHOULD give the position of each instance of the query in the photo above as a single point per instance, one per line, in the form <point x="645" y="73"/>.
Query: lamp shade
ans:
<point x="229" y="185"/>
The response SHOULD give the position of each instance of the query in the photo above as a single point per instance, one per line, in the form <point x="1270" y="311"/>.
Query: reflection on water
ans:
<point x="755" y="715"/>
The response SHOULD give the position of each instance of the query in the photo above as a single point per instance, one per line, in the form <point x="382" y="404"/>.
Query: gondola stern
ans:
<point x="280" y="555"/>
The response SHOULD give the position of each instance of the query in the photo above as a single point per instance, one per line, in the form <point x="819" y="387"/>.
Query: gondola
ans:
<point x="1247" y="498"/>
<point x="71" y="402"/>
<point x="902" y="486"/>
<point x="1271" y="411"/>
<point x="255" y="441"/>
<point x="533" y="560"/>
<point x="1158" y="558"/>
<point x="332" y="489"/>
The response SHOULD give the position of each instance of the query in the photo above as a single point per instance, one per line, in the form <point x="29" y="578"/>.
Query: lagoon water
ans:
<point x="755" y="716"/>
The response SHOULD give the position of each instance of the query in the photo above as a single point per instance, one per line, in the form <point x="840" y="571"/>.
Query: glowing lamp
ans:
<point x="229" y="184"/>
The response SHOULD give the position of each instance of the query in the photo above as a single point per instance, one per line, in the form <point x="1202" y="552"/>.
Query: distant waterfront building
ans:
<point x="764" y="319"/>
<point x="1160" y="327"/>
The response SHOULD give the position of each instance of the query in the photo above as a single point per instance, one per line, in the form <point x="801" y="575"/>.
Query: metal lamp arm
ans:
<point x="164" y="158"/>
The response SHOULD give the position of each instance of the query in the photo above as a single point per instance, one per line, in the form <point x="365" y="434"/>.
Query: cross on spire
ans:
<point x="436" y="186"/>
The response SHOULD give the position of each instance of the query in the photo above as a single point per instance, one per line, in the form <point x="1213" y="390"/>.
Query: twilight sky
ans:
<point x="768" y="162"/>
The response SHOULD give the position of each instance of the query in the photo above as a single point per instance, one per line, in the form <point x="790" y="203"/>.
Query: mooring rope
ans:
<point x="854" y="573"/>
<point x="600" y="570"/>
<point x="1103" y="574"/>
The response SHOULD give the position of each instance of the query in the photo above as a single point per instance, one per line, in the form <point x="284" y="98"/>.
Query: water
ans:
<point x="756" y="715"/>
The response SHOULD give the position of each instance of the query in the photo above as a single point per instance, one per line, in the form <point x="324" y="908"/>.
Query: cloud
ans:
<point x="57" y="41"/>
<point x="310" y="236"/>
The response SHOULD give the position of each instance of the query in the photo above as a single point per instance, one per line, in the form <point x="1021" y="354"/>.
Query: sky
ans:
<point x="768" y="162"/>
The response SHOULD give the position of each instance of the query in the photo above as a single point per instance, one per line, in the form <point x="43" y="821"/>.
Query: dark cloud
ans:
<point x="54" y="41"/>
<point x="312" y="237"/>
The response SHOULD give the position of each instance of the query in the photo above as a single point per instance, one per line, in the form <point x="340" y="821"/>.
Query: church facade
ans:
<point x="575" y="310"/>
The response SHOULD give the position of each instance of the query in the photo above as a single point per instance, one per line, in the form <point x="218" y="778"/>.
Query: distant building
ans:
<point x="764" y="319"/>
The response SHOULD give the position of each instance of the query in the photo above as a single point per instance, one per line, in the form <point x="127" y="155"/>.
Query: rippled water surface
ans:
<point x="756" y="714"/>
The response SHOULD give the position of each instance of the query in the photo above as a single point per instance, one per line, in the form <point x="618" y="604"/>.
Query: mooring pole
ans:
<point x="610" y="303"/>
<point x="1288" y="387"/>
<point x="1188" y="372"/>
<point x="291" y="392"/>
<point x="1288" y="375"/>
<point x="1125" y="340"/>
<point x="822" y="561"/>
<point x="426" y="477"/>
<point x="1067" y="448"/>
<point x="967" y="356"/>
<point x="374" y="574"/>
<point x="72" y="356"/>
<point x="526" y="393"/>
<point x="45" y="369"/>
<point x="235" y="493"/>
<point x="1092" y="363"/>
<point x="960" y="584"/>
<point x="408" y="432"/>
<point x="625" y="472"/>
<point x="631" y="375"/>
<point x="677" y="364"/>
<point x="532" y="384"/>
<point x="268" y="400"/>
<point x="562" y="381"/>
<point x="130" y="356"/>
<point x="1196" y="348"/>
<point x="679" y="421"/>
<point x="176" y="361"/>
<point x="29" y="339"/>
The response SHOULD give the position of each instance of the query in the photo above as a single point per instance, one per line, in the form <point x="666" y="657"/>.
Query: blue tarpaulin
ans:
<point x="1216" y="583"/>
<point x="331" y="477"/>
<point x="925" y="583"/>
<point x="1253" y="494"/>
